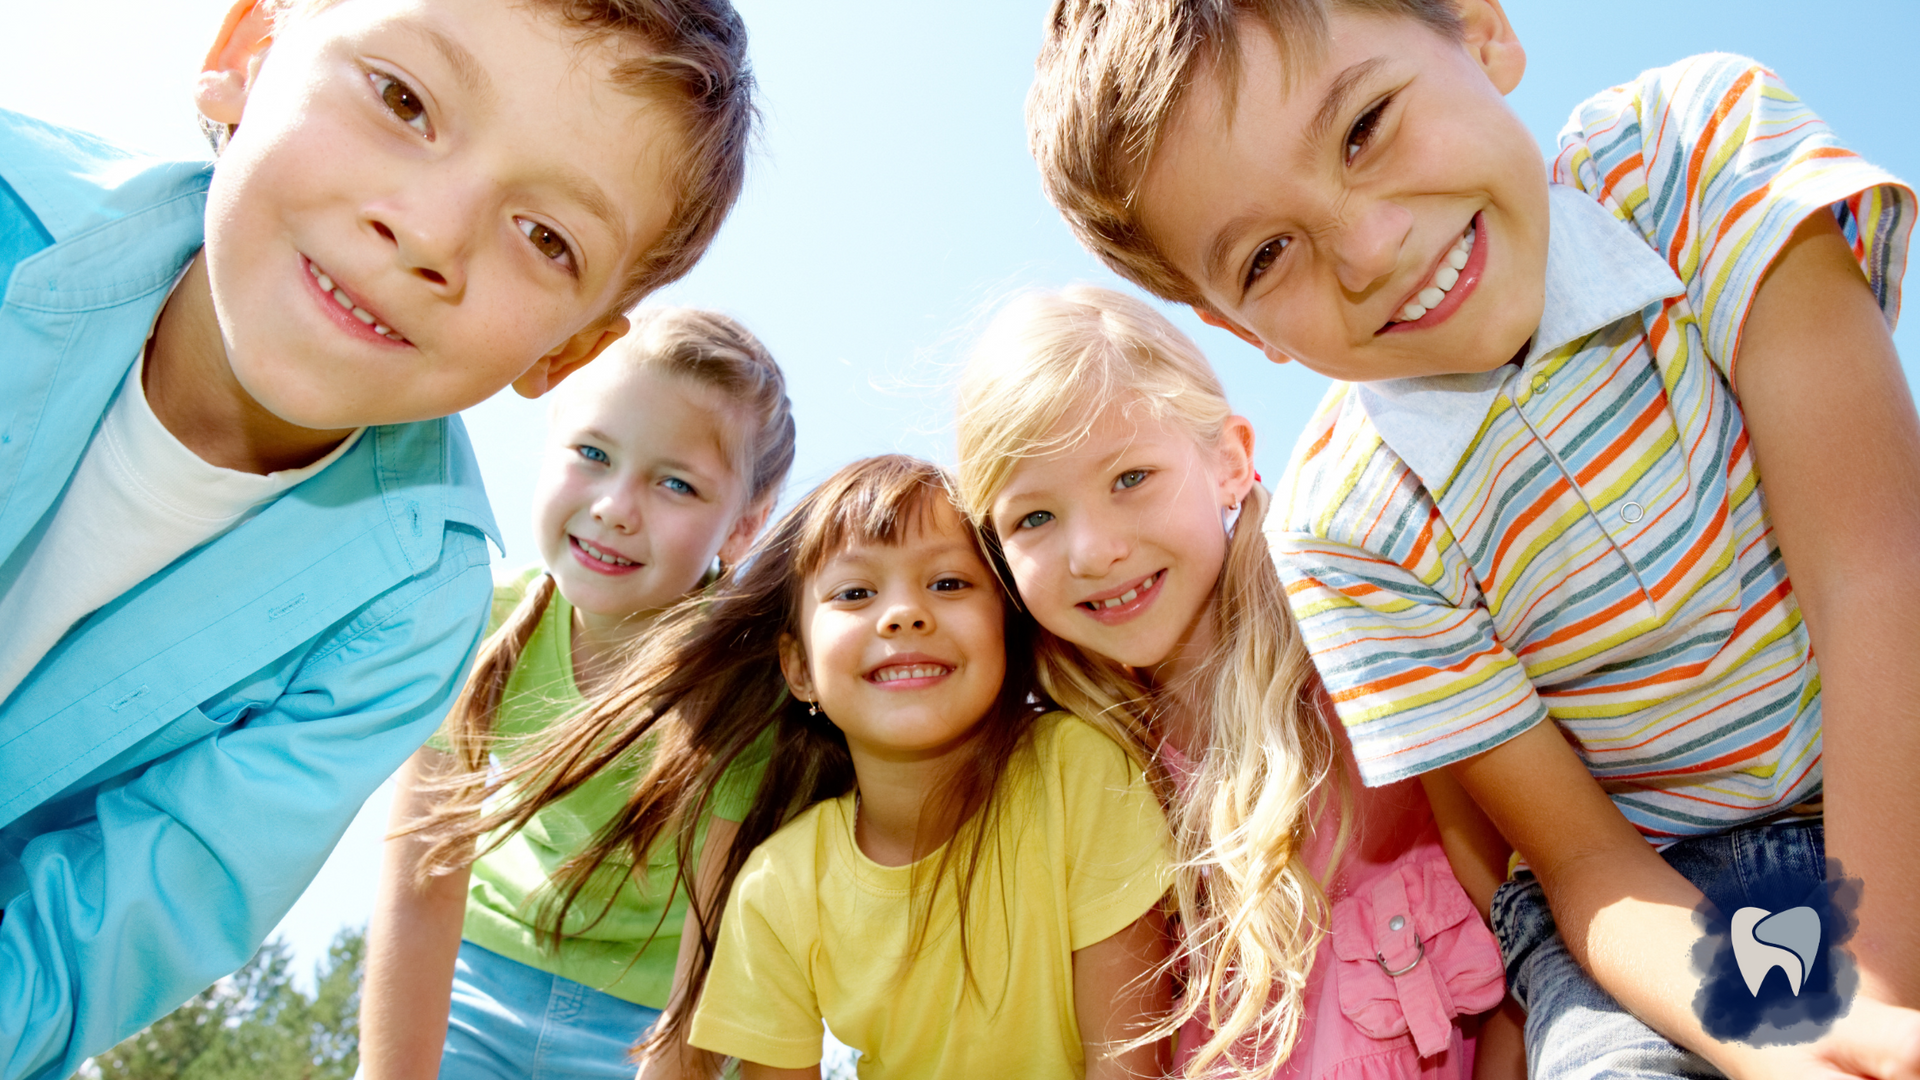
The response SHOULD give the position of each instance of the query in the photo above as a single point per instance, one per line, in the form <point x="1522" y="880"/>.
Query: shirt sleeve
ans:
<point x="1716" y="162"/>
<point x="188" y="864"/>
<point x="758" y="1004"/>
<point x="506" y="596"/>
<point x="1117" y="864"/>
<point x="1389" y="610"/>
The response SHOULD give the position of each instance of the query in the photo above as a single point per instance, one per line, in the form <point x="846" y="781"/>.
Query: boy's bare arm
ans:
<point x="1120" y="988"/>
<point x="412" y="944"/>
<point x="1475" y="849"/>
<point x="1628" y="917"/>
<point x="1838" y="446"/>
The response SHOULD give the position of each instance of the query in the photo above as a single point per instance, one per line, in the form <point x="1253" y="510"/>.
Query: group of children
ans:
<point x="1089" y="757"/>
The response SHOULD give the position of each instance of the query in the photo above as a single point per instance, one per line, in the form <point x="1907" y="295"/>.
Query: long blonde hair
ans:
<point x="1251" y="910"/>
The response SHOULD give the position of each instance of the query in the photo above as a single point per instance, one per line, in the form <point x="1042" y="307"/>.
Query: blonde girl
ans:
<point x="957" y="881"/>
<point x="661" y="464"/>
<point x="1098" y="451"/>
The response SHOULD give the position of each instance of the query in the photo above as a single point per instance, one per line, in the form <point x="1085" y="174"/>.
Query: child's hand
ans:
<point x="1874" y="1040"/>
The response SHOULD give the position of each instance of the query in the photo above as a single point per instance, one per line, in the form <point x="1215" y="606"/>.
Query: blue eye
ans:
<point x="593" y="454"/>
<point x="678" y="486"/>
<point x="1035" y="519"/>
<point x="1129" y="479"/>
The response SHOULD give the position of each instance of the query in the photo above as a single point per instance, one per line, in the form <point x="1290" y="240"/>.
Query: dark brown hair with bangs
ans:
<point x="706" y="688"/>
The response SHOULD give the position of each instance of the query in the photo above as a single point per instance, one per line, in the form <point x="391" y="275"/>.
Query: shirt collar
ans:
<point x="1599" y="270"/>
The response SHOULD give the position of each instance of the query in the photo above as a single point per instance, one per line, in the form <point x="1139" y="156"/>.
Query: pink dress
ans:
<point x="1407" y="954"/>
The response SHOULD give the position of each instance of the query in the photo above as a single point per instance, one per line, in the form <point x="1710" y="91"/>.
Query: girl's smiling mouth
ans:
<point x="909" y="671"/>
<point x="1447" y="287"/>
<point x="599" y="559"/>
<point x="350" y="313"/>
<point x="1119" y="605"/>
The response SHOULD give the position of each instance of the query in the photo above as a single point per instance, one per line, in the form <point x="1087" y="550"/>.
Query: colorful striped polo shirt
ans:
<point x="1582" y="536"/>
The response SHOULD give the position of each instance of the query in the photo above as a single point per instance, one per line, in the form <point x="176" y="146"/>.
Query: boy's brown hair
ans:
<point x="1111" y="75"/>
<point x="689" y="58"/>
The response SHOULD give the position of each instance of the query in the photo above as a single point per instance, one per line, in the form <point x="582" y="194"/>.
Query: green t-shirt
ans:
<point x="505" y="895"/>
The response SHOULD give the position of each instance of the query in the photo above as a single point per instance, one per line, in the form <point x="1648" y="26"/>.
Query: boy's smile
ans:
<point x="424" y="200"/>
<point x="1380" y="214"/>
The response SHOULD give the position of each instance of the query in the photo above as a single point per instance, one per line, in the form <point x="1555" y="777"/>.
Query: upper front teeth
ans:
<point x="1443" y="281"/>
<point x="340" y="297"/>
<point x="1130" y="595"/>
<point x="917" y="671"/>
<point x="604" y="556"/>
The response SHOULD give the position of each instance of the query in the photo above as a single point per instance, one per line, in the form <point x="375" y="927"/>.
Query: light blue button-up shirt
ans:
<point x="174" y="771"/>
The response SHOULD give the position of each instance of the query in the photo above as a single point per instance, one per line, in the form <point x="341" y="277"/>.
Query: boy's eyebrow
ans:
<point x="467" y="68"/>
<point x="1224" y="241"/>
<point x="1335" y="103"/>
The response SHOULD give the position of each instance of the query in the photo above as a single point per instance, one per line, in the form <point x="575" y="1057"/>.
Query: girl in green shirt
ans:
<point x="662" y="462"/>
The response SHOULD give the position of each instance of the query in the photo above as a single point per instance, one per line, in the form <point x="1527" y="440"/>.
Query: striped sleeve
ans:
<point x="1716" y="162"/>
<point x="1388" y="607"/>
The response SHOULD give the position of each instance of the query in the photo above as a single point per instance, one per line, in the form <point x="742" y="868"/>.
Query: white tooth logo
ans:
<point x="1789" y="940"/>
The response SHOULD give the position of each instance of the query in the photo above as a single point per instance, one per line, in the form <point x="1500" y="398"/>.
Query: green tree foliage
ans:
<point x="255" y="1024"/>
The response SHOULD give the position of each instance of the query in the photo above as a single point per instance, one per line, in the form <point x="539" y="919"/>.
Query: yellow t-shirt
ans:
<point x="814" y="929"/>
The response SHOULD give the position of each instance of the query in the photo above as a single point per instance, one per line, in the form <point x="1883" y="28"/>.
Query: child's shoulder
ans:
<point x="72" y="181"/>
<point x="1064" y="742"/>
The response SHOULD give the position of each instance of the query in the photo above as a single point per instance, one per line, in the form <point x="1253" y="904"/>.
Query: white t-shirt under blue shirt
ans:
<point x="139" y="500"/>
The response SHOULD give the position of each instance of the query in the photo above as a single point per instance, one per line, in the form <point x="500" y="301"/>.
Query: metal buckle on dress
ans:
<point x="1421" y="955"/>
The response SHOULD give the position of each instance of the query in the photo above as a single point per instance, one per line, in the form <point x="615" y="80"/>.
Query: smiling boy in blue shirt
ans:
<point x="242" y="548"/>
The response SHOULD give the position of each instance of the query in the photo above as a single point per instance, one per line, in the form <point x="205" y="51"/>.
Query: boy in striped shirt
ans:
<point x="1536" y="494"/>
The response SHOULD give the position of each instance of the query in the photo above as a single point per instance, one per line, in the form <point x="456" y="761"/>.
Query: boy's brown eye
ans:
<point x="401" y="100"/>
<point x="546" y="240"/>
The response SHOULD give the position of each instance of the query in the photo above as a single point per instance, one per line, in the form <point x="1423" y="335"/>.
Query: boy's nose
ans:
<point x="430" y="236"/>
<point x="1367" y="247"/>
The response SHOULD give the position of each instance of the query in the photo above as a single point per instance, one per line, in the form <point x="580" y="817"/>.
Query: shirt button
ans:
<point x="1396" y="922"/>
<point x="1540" y="384"/>
<point x="1632" y="512"/>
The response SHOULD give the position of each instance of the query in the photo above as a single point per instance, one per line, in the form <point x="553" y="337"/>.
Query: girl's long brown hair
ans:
<point x="706" y="688"/>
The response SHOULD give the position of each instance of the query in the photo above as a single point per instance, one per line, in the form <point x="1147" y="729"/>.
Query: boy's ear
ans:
<point x="571" y="356"/>
<point x="793" y="665"/>
<point x="1213" y="318"/>
<point x="1489" y="38"/>
<point x="228" y="71"/>
<point x="745" y="528"/>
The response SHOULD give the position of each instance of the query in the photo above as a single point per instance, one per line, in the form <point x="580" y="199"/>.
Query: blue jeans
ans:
<point x="511" y="1021"/>
<point x="1576" y="1029"/>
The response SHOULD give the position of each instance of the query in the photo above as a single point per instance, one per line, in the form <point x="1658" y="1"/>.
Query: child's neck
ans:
<point x="1182" y="689"/>
<point x="192" y="390"/>
<point x="600" y="646"/>
<point x="893" y="798"/>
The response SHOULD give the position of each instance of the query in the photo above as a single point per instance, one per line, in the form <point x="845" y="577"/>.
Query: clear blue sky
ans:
<point x="893" y="201"/>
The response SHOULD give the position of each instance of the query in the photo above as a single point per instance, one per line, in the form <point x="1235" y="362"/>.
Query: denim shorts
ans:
<point x="1576" y="1029"/>
<point x="511" y="1021"/>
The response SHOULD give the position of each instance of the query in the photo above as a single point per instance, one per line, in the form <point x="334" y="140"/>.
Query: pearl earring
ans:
<point x="813" y="708"/>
